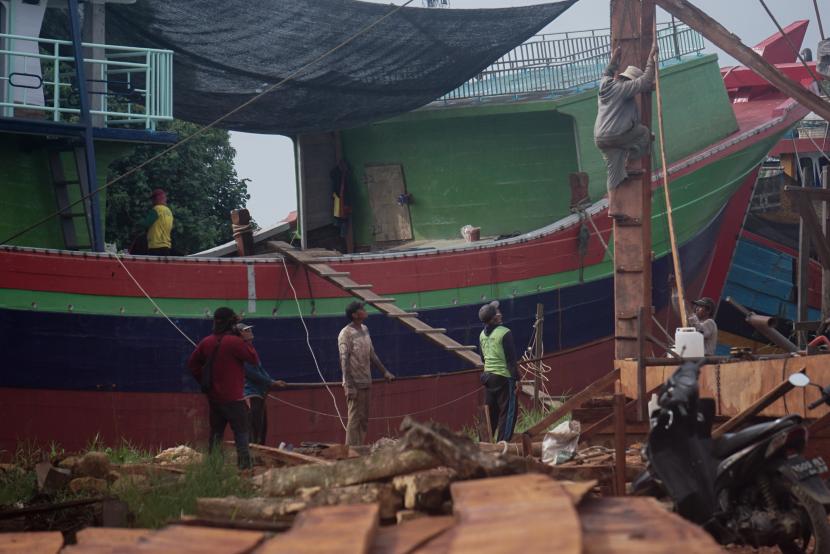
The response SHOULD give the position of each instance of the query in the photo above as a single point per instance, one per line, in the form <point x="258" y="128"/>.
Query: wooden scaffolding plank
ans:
<point x="519" y="513"/>
<point x="103" y="539"/>
<point x="286" y="457"/>
<point x="382" y="304"/>
<point x="47" y="542"/>
<point x="347" y="529"/>
<point x="191" y="539"/>
<point x="573" y="402"/>
<point x="634" y="525"/>
<point x="407" y="537"/>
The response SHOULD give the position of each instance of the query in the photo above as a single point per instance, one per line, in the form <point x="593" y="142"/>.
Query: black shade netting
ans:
<point x="226" y="51"/>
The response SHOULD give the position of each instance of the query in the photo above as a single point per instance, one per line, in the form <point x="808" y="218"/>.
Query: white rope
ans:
<point x="308" y="343"/>
<point x="477" y="390"/>
<point x="153" y="302"/>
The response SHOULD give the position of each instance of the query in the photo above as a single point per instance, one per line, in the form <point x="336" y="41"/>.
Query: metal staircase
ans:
<point x="383" y="304"/>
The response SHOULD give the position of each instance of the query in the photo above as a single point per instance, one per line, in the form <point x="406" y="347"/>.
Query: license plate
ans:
<point x="804" y="469"/>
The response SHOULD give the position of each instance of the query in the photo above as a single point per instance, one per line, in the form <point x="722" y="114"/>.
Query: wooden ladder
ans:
<point x="383" y="304"/>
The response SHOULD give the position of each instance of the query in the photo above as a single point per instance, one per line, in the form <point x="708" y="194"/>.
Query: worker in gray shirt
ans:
<point x="618" y="132"/>
<point x="703" y="322"/>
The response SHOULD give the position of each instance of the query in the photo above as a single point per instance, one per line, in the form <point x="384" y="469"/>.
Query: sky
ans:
<point x="268" y="160"/>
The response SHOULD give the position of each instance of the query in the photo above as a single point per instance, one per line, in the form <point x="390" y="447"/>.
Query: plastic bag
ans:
<point x="465" y="232"/>
<point x="559" y="445"/>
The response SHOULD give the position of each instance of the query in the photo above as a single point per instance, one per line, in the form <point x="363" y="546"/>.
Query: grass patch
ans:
<point x="528" y="417"/>
<point x="17" y="487"/>
<point x="166" y="499"/>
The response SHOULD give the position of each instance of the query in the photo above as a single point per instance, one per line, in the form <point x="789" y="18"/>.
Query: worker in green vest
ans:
<point x="500" y="371"/>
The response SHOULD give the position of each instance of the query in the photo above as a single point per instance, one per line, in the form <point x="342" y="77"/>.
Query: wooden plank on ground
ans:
<point x="348" y="529"/>
<point x="635" y="525"/>
<point x="196" y="540"/>
<point x="286" y="457"/>
<point x="519" y="513"/>
<point x="409" y="536"/>
<point x="45" y="542"/>
<point x="93" y="540"/>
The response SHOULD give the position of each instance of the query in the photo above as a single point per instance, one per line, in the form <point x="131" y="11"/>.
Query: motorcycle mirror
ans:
<point x="799" y="380"/>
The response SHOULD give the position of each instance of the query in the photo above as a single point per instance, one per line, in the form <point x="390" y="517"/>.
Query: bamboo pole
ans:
<point x="678" y="272"/>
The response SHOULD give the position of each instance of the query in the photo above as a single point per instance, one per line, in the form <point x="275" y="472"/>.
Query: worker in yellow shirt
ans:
<point x="159" y="223"/>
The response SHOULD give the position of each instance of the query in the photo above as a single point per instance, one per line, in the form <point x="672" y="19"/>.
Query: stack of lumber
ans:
<point x="518" y="513"/>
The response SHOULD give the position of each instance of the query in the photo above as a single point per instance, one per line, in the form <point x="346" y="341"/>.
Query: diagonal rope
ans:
<point x="202" y="130"/>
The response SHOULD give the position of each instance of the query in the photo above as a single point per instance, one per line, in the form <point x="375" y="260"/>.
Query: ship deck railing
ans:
<point x="563" y="63"/>
<point x="128" y="86"/>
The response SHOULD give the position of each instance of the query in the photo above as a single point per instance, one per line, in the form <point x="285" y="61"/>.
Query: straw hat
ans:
<point x="632" y="73"/>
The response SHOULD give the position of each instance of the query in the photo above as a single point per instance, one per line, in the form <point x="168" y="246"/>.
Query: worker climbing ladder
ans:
<point x="383" y="304"/>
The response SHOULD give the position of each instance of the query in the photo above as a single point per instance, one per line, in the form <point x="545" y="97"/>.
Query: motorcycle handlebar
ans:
<point x="816" y="404"/>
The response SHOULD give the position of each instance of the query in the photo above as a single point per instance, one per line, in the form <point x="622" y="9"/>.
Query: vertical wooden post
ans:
<point x="803" y="277"/>
<point x="243" y="233"/>
<point x="537" y="353"/>
<point x="642" y="401"/>
<point x="825" y="228"/>
<point x="632" y="29"/>
<point x="619" y="439"/>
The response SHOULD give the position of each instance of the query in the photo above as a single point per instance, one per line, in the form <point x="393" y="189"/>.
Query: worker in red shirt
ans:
<point x="225" y="353"/>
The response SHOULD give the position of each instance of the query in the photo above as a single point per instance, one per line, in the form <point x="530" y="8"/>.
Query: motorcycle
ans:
<point x="753" y="487"/>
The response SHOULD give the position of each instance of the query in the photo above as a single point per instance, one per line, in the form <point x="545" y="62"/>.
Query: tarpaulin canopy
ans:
<point x="226" y="51"/>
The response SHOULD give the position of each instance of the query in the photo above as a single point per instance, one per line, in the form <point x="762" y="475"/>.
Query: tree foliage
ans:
<point x="201" y="184"/>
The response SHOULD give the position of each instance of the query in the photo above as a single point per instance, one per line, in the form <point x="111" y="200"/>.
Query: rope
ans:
<point x="678" y="270"/>
<point x="153" y="302"/>
<point x="308" y="343"/>
<point x="399" y="416"/>
<point x="787" y="38"/>
<point x="818" y="18"/>
<point x="201" y="130"/>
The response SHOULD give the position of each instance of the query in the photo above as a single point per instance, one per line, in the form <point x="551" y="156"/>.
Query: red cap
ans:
<point x="157" y="192"/>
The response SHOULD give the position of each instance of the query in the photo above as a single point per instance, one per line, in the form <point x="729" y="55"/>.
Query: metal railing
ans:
<point x="563" y="62"/>
<point x="127" y="86"/>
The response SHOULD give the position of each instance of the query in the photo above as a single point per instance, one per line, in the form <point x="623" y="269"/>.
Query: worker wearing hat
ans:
<point x="257" y="384"/>
<point x="702" y="321"/>
<point x="500" y="371"/>
<point x="357" y="356"/>
<point x="618" y="132"/>
<point x="159" y="224"/>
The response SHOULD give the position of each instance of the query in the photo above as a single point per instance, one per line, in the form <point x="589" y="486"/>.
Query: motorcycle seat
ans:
<point x="730" y="443"/>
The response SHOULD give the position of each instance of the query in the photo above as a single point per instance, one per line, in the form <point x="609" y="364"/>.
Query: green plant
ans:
<point x="528" y="417"/>
<point x="27" y="454"/>
<point x="156" y="502"/>
<point x="17" y="487"/>
<point x="128" y="453"/>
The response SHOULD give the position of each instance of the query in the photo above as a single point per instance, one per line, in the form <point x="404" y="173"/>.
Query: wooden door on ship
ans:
<point x="385" y="184"/>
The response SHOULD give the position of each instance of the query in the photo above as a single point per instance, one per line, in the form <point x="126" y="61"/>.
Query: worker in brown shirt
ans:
<point x="357" y="355"/>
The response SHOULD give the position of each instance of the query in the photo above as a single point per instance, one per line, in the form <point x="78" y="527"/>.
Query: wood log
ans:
<point x="383" y="464"/>
<point x="425" y="490"/>
<point x="268" y="509"/>
<point x="511" y="448"/>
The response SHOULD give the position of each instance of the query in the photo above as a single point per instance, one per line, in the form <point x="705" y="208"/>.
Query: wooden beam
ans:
<point x="813" y="226"/>
<point x="732" y="45"/>
<point x="803" y="279"/>
<point x="780" y="390"/>
<point x="619" y="440"/>
<point x="812" y="192"/>
<point x="574" y="402"/>
<point x="609" y="419"/>
<point x="286" y="457"/>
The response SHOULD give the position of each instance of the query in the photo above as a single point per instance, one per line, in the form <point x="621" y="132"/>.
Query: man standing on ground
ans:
<point x="257" y="384"/>
<point x="225" y="353"/>
<point x="357" y="355"/>
<point x="618" y="132"/>
<point x="159" y="224"/>
<point x="703" y="322"/>
<point x="501" y="372"/>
